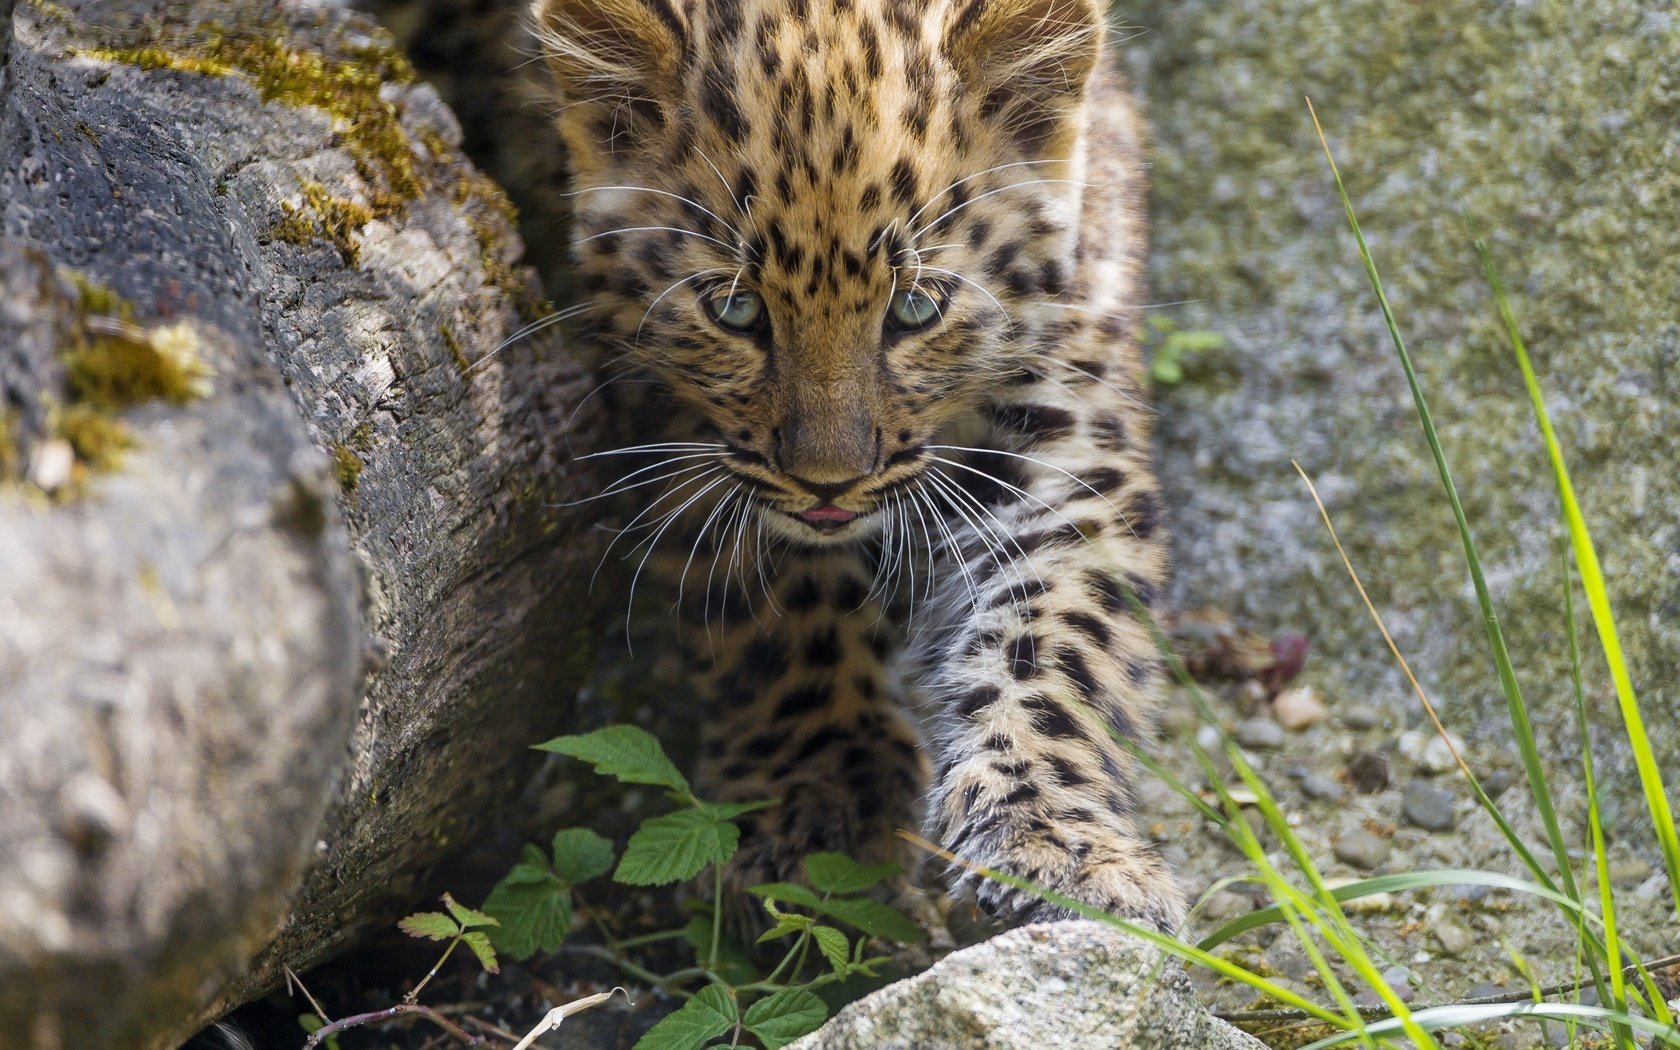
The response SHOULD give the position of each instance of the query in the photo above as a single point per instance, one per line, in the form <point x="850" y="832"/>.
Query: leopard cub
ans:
<point x="880" y="259"/>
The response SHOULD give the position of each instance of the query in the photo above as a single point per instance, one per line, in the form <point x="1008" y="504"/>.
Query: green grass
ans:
<point x="1343" y="955"/>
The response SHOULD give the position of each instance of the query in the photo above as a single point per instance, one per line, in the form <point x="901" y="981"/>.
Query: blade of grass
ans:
<point x="1598" y="598"/>
<point x="1516" y="708"/>
<point x="1595" y="826"/>
<point x="1437" y="1017"/>
<point x="1410" y="880"/>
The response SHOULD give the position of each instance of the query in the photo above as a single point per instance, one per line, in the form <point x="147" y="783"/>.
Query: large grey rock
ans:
<point x="1550" y="127"/>
<point x="1068" y="984"/>
<point x="264" y="667"/>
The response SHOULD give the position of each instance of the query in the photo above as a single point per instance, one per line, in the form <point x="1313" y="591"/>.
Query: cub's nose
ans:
<point x="827" y="491"/>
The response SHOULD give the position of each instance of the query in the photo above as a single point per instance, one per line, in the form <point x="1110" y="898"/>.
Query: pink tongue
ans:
<point x="828" y="512"/>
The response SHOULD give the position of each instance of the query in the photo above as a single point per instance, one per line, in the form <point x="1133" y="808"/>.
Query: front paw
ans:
<point x="1103" y="867"/>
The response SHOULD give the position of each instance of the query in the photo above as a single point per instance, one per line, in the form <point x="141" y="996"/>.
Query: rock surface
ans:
<point x="1071" y="984"/>
<point x="1549" y="128"/>
<point x="263" y="665"/>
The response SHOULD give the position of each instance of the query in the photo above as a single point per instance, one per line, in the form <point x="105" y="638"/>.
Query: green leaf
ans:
<point x="705" y="1017"/>
<point x="580" y="855"/>
<point x="532" y="866"/>
<point x="465" y="915"/>
<point x="626" y="752"/>
<point x="479" y="942"/>
<point x="675" y="847"/>
<point x="874" y="918"/>
<point x="785" y="924"/>
<point x="781" y="1018"/>
<point x="533" y="915"/>
<point x="786" y="893"/>
<point x="838" y="873"/>
<point x="834" y="947"/>
<point x="432" y="925"/>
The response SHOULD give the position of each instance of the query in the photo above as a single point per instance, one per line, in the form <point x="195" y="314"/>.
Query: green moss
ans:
<point x="346" y="85"/>
<point x="98" y="439"/>
<point x="322" y="216"/>
<point x="348" y="466"/>
<point x="462" y="365"/>
<point x="11" y="455"/>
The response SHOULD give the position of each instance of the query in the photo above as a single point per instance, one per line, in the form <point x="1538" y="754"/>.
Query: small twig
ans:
<point x="495" y="1030"/>
<point x="387" y="1014"/>
<point x="1369" y="1012"/>
<point x="414" y="993"/>
<point x="292" y="978"/>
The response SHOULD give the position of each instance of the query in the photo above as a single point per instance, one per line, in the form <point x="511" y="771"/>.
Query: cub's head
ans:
<point x="824" y="224"/>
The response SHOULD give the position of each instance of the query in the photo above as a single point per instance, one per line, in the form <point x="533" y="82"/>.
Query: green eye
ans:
<point x="910" y="310"/>
<point x="738" y="311"/>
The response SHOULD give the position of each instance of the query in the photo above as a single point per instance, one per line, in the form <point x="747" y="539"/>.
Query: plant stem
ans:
<point x="399" y="1010"/>
<point x="717" y="915"/>
<point x="414" y="993"/>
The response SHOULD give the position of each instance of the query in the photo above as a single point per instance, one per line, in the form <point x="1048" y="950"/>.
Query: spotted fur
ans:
<point x="826" y="156"/>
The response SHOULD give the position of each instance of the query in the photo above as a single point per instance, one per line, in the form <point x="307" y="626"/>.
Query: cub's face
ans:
<point x="828" y="228"/>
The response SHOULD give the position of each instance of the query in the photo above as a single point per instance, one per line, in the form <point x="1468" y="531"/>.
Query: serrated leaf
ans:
<point x="479" y="942"/>
<point x="534" y="916"/>
<point x="465" y="915"/>
<point x="874" y="918"/>
<point x="432" y="925"/>
<point x="626" y="752"/>
<point x="785" y="925"/>
<point x="785" y="893"/>
<point x="834" y="946"/>
<point x="781" y="1018"/>
<point x="580" y="855"/>
<point x="675" y="847"/>
<point x="731" y="810"/>
<point x="838" y="873"/>
<point x="706" y="1016"/>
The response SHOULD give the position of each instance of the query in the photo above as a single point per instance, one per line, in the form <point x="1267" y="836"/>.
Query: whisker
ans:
<point x="655" y="229"/>
<point x="978" y="175"/>
<point x="991" y="193"/>
<point x="663" y="193"/>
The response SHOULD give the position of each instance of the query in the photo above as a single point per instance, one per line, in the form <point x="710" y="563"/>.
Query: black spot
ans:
<point x="850" y="593"/>
<point x="1024" y="792"/>
<point x="1109" y="431"/>
<point x="1066" y="773"/>
<point x="1044" y="422"/>
<point x="1022" y="656"/>
<point x="1051" y="718"/>
<point x="763" y="745"/>
<point x="804" y="700"/>
<point x="1073" y="664"/>
<point x="820" y="741"/>
<point x="977" y="701"/>
<point x="823" y="649"/>
<point x="1143" y="513"/>
<point x="1108" y="481"/>
<point x="904" y="182"/>
<point x="804" y="595"/>
<point x="1091" y="626"/>
<point x="765" y="658"/>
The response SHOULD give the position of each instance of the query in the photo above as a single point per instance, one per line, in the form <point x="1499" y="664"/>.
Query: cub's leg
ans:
<point x="1033" y="671"/>
<point x="804" y="712"/>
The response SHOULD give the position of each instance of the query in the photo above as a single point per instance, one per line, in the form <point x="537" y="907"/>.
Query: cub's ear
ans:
<point x="1028" y="61"/>
<point x="612" y="52"/>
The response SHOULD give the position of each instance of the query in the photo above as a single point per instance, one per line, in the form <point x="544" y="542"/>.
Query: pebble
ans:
<point x="1369" y="771"/>
<point x="1259" y="734"/>
<point x="1497" y="782"/>
<point x="1317" y="785"/>
<point x="1360" y="717"/>
<point x="1226" y="905"/>
<point x="1362" y="849"/>
<point x="1428" y="806"/>
<point x="1296" y="709"/>
<point x="1455" y="940"/>
<point x="1428" y="751"/>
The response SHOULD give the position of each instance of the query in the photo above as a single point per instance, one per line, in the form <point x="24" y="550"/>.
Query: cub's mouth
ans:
<point x="826" y="518"/>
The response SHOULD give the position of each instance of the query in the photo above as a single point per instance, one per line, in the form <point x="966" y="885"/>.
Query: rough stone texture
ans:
<point x="1550" y="125"/>
<point x="302" y="632"/>
<point x="1071" y="984"/>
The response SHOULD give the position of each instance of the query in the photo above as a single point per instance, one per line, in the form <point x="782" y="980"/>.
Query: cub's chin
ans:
<point x="826" y="527"/>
